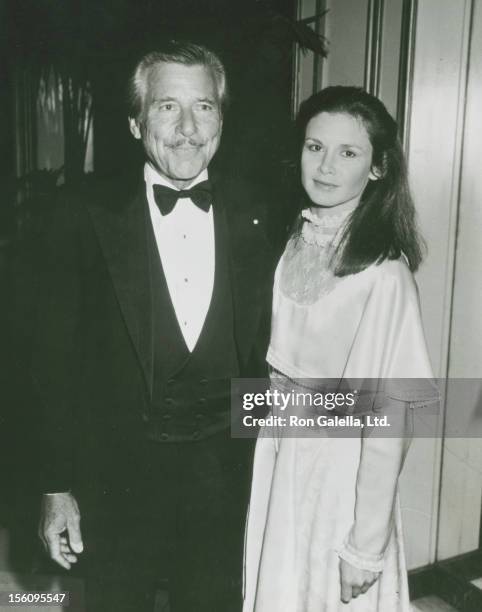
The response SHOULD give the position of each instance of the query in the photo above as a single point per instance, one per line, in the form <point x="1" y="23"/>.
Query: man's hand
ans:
<point x="354" y="581"/>
<point x="59" y="528"/>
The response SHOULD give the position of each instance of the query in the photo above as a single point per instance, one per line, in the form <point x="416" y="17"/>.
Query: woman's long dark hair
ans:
<point x="383" y="225"/>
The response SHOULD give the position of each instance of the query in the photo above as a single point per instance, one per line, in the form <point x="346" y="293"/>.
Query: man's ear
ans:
<point x="134" y="128"/>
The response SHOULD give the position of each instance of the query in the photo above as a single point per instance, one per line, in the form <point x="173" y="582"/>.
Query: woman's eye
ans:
<point x="348" y="153"/>
<point x="314" y="148"/>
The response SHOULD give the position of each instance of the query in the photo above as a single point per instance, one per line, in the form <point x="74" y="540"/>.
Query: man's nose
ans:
<point x="327" y="163"/>
<point x="186" y="125"/>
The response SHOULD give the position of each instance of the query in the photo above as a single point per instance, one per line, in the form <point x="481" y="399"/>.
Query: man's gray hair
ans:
<point x="177" y="52"/>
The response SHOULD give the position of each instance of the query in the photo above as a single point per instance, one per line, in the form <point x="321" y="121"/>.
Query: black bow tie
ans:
<point x="166" y="197"/>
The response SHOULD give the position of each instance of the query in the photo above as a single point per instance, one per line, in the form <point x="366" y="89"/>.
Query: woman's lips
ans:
<point x="325" y="185"/>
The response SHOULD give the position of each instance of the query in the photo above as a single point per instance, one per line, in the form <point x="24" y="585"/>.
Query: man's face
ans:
<point x="180" y="122"/>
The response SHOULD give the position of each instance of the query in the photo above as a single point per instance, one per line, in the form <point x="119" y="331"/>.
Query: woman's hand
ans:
<point x="354" y="581"/>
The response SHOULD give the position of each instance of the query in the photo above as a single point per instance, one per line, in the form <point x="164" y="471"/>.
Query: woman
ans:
<point x="323" y="529"/>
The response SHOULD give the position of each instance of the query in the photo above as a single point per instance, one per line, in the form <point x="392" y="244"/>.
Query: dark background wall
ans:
<point x="7" y="127"/>
<point x="97" y="41"/>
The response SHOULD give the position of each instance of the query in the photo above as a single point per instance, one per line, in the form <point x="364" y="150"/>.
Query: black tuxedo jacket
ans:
<point x="92" y="355"/>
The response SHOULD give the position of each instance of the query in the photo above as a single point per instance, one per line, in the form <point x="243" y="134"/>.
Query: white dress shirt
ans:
<point x="185" y="241"/>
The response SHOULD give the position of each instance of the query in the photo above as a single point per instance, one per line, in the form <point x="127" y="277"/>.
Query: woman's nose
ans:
<point x="327" y="165"/>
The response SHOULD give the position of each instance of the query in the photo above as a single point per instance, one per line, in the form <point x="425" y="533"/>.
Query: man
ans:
<point x="151" y="302"/>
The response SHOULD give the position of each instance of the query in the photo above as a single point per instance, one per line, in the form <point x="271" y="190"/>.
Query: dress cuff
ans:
<point x="361" y="560"/>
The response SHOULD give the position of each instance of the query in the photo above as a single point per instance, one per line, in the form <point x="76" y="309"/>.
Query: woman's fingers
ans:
<point x="346" y="592"/>
<point x="354" y="581"/>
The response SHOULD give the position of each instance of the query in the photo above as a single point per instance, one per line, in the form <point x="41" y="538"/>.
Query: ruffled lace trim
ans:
<point x="361" y="560"/>
<point x="329" y="220"/>
<point x="323" y="231"/>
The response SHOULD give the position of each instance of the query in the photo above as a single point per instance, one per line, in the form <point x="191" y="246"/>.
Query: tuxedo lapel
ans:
<point x="121" y="227"/>
<point x="250" y="260"/>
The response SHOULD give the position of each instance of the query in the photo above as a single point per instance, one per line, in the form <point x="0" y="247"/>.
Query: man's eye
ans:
<point x="167" y="106"/>
<point x="348" y="153"/>
<point x="205" y="107"/>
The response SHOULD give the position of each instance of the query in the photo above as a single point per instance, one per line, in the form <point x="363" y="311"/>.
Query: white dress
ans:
<point x="303" y="494"/>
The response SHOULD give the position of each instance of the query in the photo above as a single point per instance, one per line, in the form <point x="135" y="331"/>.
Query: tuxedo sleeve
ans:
<point x="55" y="346"/>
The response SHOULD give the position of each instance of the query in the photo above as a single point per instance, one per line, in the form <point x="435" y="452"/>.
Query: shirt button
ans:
<point x="164" y="436"/>
<point x="169" y="401"/>
<point x="186" y="280"/>
<point x="196" y="435"/>
<point x="201" y="401"/>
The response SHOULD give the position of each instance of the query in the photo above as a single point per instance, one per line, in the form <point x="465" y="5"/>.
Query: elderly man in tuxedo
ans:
<point x="151" y="302"/>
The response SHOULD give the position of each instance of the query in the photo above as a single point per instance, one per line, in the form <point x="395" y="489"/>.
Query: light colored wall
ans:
<point x="435" y="137"/>
<point x="461" y="494"/>
<point x="346" y="31"/>
<point x="345" y="27"/>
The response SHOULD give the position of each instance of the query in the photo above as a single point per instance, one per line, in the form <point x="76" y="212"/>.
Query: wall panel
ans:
<point x="346" y="25"/>
<point x="390" y="54"/>
<point x="435" y="137"/>
<point x="462" y="462"/>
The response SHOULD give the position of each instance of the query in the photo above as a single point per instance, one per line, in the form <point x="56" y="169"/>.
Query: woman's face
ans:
<point x="336" y="161"/>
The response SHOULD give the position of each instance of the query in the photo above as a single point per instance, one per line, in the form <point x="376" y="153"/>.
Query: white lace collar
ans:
<point x="323" y="231"/>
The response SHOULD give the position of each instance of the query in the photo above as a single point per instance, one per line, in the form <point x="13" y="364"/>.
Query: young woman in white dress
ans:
<point x="323" y="531"/>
